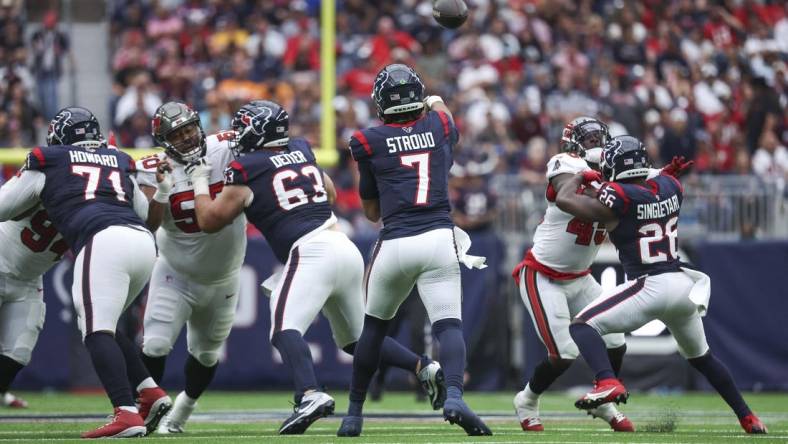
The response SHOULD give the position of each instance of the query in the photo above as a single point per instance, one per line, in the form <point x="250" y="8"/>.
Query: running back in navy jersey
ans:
<point x="647" y="232"/>
<point x="85" y="190"/>
<point x="406" y="166"/>
<point x="290" y="199"/>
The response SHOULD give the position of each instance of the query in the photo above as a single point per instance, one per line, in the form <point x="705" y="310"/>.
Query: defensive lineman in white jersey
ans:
<point x="31" y="246"/>
<point x="196" y="278"/>
<point x="555" y="281"/>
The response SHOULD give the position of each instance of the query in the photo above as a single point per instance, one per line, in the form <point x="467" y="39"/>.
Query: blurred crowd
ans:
<point x="700" y="78"/>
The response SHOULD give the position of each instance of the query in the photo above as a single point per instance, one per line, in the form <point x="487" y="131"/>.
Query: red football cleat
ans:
<point x="124" y="424"/>
<point x="154" y="405"/>
<point x="605" y="390"/>
<point x="751" y="424"/>
<point x="533" y="424"/>
<point x="621" y="423"/>
<point x="14" y="402"/>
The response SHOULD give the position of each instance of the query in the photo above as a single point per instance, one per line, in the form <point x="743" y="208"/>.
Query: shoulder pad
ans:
<point x="359" y="145"/>
<point x="565" y="163"/>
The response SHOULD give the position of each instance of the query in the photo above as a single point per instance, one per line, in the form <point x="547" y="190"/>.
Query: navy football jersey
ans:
<point x="85" y="191"/>
<point x="406" y="167"/>
<point x="290" y="199"/>
<point x="647" y="232"/>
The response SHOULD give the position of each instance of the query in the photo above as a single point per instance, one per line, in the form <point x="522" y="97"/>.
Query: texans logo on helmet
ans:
<point x="258" y="121"/>
<point x="58" y="126"/>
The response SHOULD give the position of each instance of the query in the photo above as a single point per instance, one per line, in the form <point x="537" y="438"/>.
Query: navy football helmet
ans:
<point x="625" y="157"/>
<point x="584" y="133"/>
<point x="75" y="126"/>
<point x="177" y="128"/>
<point x="260" y="124"/>
<point x="398" y="89"/>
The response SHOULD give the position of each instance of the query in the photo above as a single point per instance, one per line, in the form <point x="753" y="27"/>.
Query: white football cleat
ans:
<point x="177" y="417"/>
<point x="527" y="412"/>
<point x="431" y="379"/>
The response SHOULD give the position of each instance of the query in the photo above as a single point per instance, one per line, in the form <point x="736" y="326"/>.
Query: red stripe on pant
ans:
<point x="86" y="302"/>
<point x="543" y="326"/>
<point x="375" y="252"/>
<point x="279" y="314"/>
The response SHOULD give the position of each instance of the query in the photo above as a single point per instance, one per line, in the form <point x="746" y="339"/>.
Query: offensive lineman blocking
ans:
<point x="91" y="198"/>
<point x="276" y="182"/>
<point x="196" y="278"/>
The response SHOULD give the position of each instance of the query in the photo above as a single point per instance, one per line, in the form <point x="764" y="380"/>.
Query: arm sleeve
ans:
<point x="367" y="186"/>
<point x="449" y="128"/>
<point x="140" y="201"/>
<point x="359" y="146"/>
<point x="21" y="193"/>
<point x="613" y="196"/>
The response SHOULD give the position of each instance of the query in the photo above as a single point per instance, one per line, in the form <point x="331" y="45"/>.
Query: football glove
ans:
<point x="200" y="172"/>
<point x="590" y="176"/>
<point x="678" y="166"/>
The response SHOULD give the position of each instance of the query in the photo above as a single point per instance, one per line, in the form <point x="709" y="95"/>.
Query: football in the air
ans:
<point x="450" y="13"/>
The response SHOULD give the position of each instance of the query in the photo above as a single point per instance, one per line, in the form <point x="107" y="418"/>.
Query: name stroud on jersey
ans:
<point x="658" y="209"/>
<point x="102" y="159"/>
<point x="288" y="158"/>
<point x="412" y="142"/>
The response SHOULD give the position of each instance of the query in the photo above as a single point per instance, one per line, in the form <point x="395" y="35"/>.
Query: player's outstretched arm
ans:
<point x="158" y="196"/>
<point x="213" y="215"/>
<point x="435" y="103"/>
<point x="21" y="194"/>
<point x="140" y="201"/>
<point x="582" y="206"/>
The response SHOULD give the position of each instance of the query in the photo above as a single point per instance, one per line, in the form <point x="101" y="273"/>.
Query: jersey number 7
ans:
<point x="421" y="162"/>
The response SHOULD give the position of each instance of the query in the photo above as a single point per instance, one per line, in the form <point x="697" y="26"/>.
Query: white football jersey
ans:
<point x="204" y="257"/>
<point x="31" y="246"/>
<point x="561" y="241"/>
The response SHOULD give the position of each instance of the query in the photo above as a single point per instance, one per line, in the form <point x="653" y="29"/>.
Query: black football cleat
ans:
<point x="457" y="412"/>
<point x="312" y="407"/>
<point x="351" y="426"/>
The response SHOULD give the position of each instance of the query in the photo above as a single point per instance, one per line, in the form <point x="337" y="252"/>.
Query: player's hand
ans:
<point x="678" y="166"/>
<point x="200" y="169"/>
<point x="163" y="169"/>
<point x="590" y="176"/>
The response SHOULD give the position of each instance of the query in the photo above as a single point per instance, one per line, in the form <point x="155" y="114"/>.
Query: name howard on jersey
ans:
<point x="658" y="209"/>
<point x="288" y="159"/>
<point x="411" y="142"/>
<point x="109" y="160"/>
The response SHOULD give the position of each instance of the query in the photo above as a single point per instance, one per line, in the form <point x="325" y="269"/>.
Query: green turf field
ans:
<point x="254" y="417"/>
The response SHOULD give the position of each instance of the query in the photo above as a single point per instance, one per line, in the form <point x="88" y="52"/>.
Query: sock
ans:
<point x="616" y="357"/>
<point x="146" y="384"/>
<point x="395" y="354"/>
<point x="155" y="366"/>
<point x="366" y="360"/>
<point x="110" y="366"/>
<point x="198" y="377"/>
<point x="452" y="354"/>
<point x="8" y="370"/>
<point x="134" y="366"/>
<point x="129" y="408"/>
<point x="546" y="373"/>
<point x="297" y="357"/>
<point x="592" y="347"/>
<point x="720" y="378"/>
<point x="531" y="397"/>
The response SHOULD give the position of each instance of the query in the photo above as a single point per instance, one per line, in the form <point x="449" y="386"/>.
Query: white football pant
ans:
<point x="553" y="304"/>
<point x="22" y="314"/>
<point x="109" y="273"/>
<point x="208" y="310"/>
<point x="665" y="296"/>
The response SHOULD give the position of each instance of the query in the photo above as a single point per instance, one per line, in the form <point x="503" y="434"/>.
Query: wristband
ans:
<point x="201" y="186"/>
<point x="161" y="196"/>
<point x="430" y="100"/>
